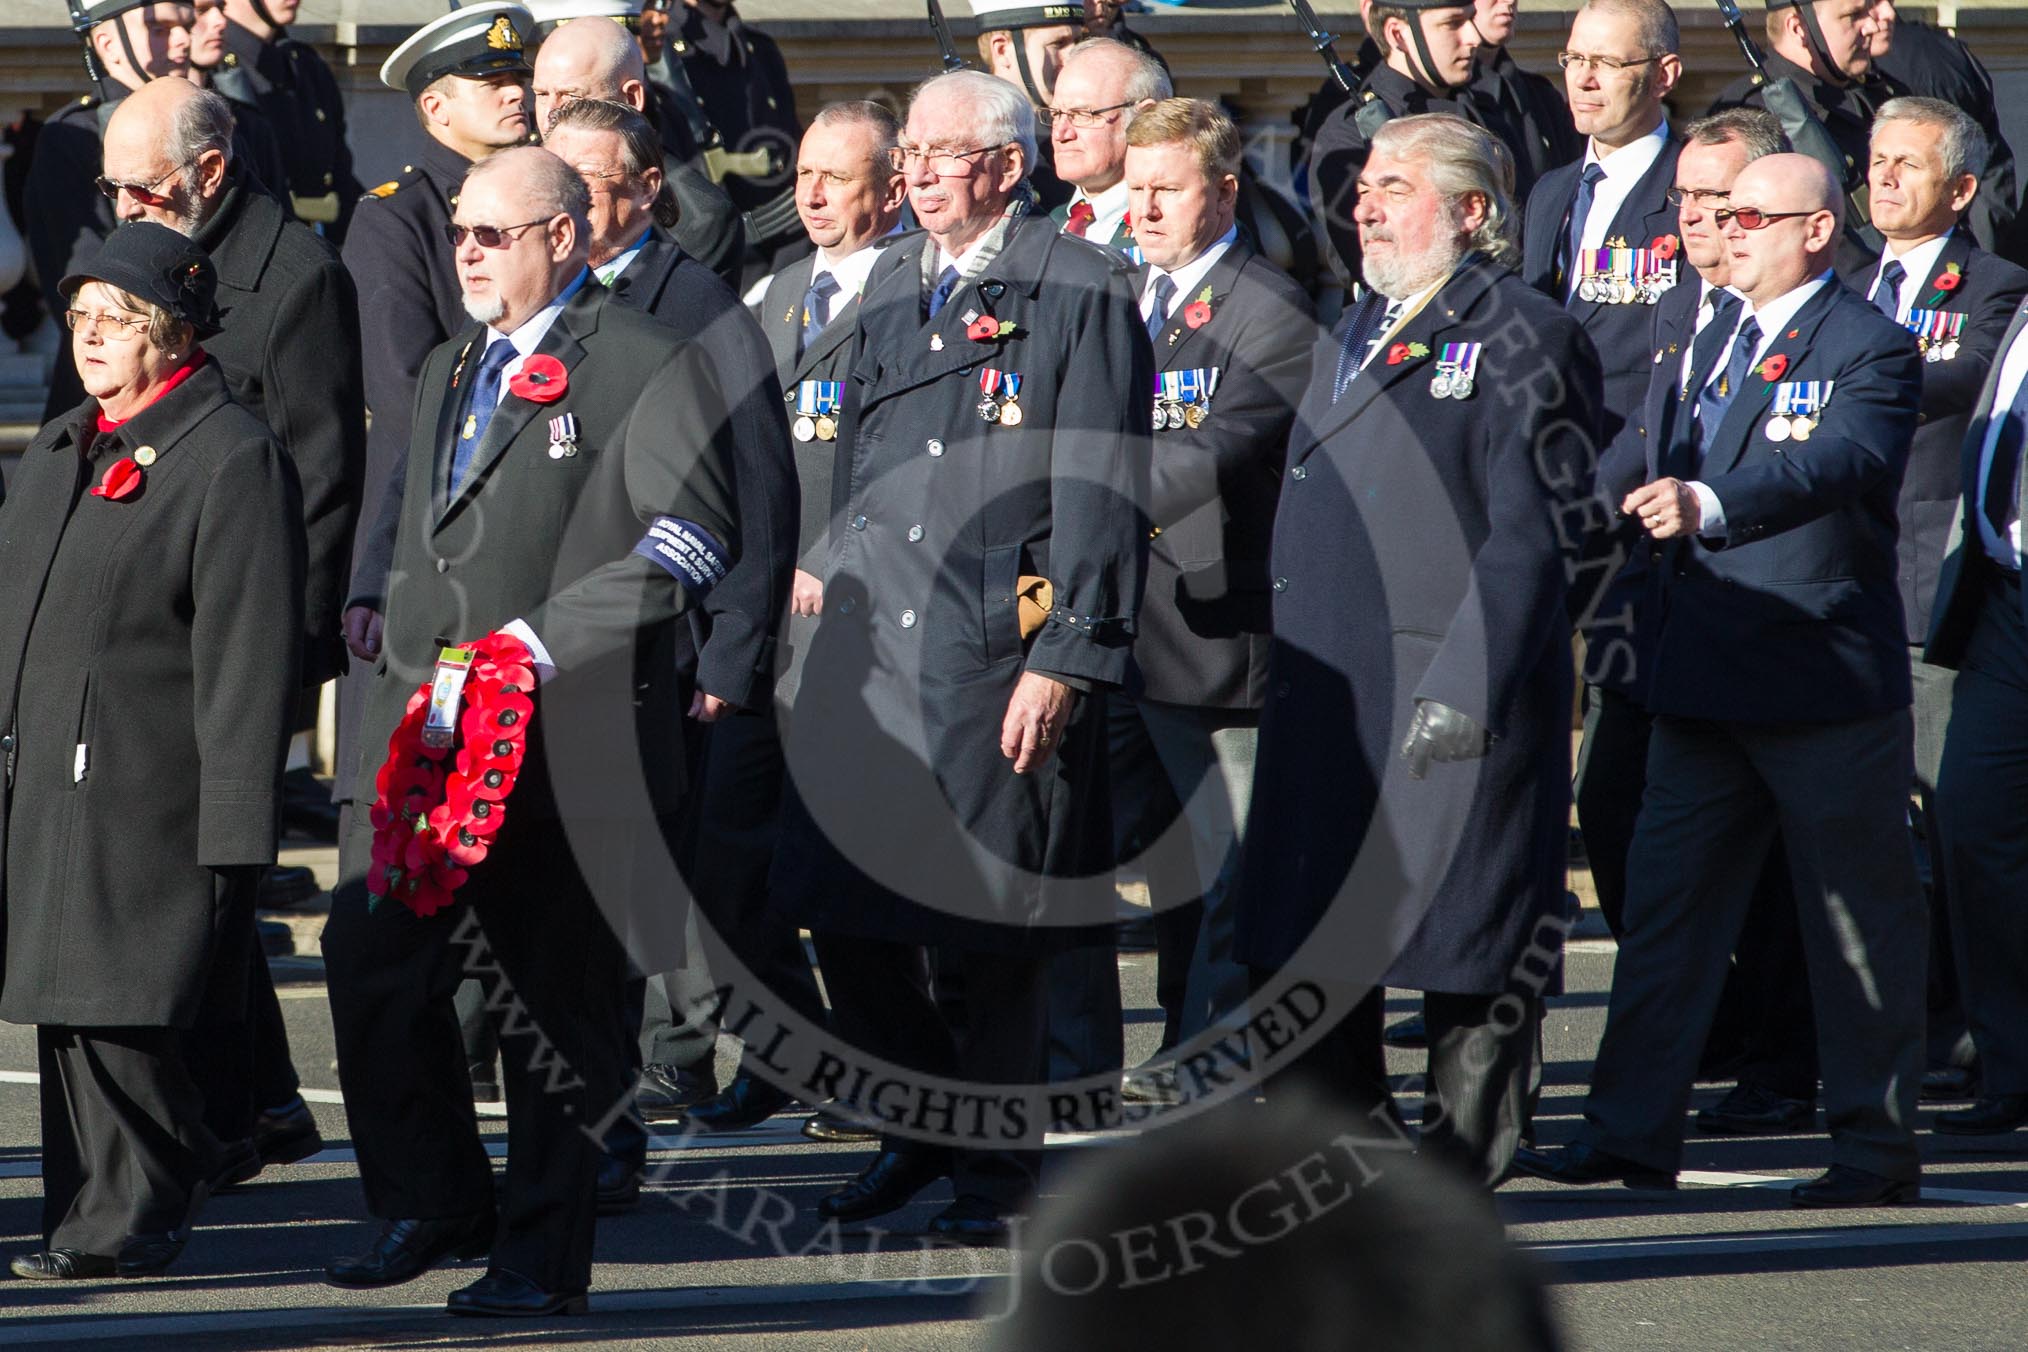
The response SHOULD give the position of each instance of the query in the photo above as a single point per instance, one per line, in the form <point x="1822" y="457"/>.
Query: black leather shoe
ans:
<point x="62" y="1265"/>
<point x="1949" y="1084"/>
<point x="240" y="1162"/>
<point x="1987" y="1117"/>
<point x="665" y="1092"/>
<point x="885" y="1185"/>
<point x="833" y="1128"/>
<point x="286" y="1135"/>
<point x="1136" y="935"/>
<point x="747" y="1101"/>
<point x="971" y="1220"/>
<point x="407" y="1249"/>
<point x="501" y="1292"/>
<point x="619" y="1187"/>
<point x="1842" y="1185"/>
<point x="1582" y="1164"/>
<point x="1408" y="1032"/>
<point x="148" y="1255"/>
<point x="1750" y="1110"/>
<point x="1144" y="1084"/>
<point x="286" y="887"/>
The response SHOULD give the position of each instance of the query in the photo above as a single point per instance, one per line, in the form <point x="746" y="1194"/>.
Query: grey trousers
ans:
<point x="1716" y="796"/>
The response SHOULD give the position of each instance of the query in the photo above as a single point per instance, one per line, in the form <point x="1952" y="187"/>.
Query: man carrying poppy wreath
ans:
<point x="569" y="500"/>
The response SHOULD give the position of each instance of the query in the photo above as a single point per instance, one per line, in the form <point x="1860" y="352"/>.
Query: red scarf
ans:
<point x="177" y="377"/>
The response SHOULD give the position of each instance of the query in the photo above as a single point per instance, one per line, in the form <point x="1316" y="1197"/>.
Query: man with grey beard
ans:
<point x="289" y="349"/>
<point x="1423" y="588"/>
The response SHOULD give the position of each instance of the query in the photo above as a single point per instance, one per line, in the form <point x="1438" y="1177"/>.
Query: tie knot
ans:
<point x="825" y="286"/>
<point x="1165" y="287"/>
<point x="1594" y="174"/>
<point x="1749" y="334"/>
<point x="497" y="355"/>
<point x="947" y="280"/>
<point x="1894" y="274"/>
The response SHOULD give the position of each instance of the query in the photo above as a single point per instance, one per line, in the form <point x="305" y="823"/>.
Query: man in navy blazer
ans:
<point x="1979" y="628"/>
<point x="1781" y="699"/>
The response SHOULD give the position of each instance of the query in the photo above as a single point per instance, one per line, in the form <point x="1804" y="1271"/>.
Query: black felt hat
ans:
<point x="155" y="264"/>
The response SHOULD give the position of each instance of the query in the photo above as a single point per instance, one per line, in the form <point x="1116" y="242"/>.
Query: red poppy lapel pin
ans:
<point x="1664" y="247"/>
<point x="1402" y="352"/>
<point x="1945" y="282"/>
<point x="1198" y="312"/>
<point x="122" y="480"/>
<point x="986" y="328"/>
<point x="1773" y="368"/>
<point x="541" y="380"/>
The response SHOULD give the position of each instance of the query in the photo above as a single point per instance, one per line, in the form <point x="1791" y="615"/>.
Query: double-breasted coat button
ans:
<point x="936" y="447"/>
<point x="7" y="744"/>
<point x="1281" y="690"/>
<point x="1281" y="584"/>
<point x="859" y="523"/>
<point x="914" y="534"/>
<point x="846" y="606"/>
<point x="1300" y="472"/>
<point x="443" y="565"/>
<point x="908" y="619"/>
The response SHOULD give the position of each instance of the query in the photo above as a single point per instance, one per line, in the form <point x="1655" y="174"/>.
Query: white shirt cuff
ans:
<point x="538" y="655"/>
<point x="1711" y="512"/>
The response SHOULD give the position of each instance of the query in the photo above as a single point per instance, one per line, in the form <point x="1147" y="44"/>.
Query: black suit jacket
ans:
<point x="562" y="543"/>
<point x="1991" y="291"/>
<point x="1202" y="637"/>
<point x="1619" y="332"/>
<point x="1795" y="617"/>
<point x="289" y="347"/>
<point x="735" y="627"/>
<point x="1961" y="585"/>
<point x="828" y="357"/>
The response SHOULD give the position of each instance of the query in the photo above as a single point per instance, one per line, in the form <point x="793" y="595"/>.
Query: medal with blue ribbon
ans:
<point x="1798" y="406"/>
<point x="563" y="436"/>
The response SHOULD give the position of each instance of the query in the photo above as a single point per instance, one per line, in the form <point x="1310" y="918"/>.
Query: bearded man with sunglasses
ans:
<point x="1781" y="701"/>
<point x="570" y="484"/>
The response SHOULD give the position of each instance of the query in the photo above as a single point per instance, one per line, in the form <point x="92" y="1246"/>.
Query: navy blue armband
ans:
<point x="686" y="551"/>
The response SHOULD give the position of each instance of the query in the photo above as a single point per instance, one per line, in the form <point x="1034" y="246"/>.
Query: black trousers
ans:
<point x="1719" y="798"/>
<point x="882" y="1001"/>
<point x="1475" y="1099"/>
<point x="243" y="1066"/>
<point x="1981" y="807"/>
<point x="528" y="925"/>
<point x="124" y="1145"/>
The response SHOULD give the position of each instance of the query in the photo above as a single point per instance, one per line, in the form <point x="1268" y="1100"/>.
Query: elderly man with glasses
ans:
<point x="981" y="585"/>
<point x="570" y="504"/>
<point x="1781" y="702"/>
<point x="1102" y="84"/>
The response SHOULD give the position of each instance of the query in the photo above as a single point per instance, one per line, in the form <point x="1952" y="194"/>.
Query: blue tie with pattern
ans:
<point x="479" y="408"/>
<point x="1717" y="396"/>
<point x="1573" y="241"/>
<point x="1886" y="295"/>
<point x="816" y="309"/>
<point x="1158" y="316"/>
<point x="947" y="282"/>
<point x="1365" y="323"/>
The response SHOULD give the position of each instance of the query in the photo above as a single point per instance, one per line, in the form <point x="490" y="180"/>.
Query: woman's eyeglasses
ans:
<point x="113" y="326"/>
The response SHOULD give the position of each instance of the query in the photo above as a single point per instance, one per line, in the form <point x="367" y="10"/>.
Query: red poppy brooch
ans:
<point x="122" y="480"/>
<point x="541" y="380"/>
<point x="1402" y="352"/>
<point x="1198" y="312"/>
<point x="986" y="328"/>
<point x="1663" y="247"/>
<point x="1775" y="367"/>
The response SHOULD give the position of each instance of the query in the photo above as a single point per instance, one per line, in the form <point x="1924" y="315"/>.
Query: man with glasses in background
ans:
<point x="1102" y="84"/>
<point x="1781" y="703"/>
<point x="982" y="580"/>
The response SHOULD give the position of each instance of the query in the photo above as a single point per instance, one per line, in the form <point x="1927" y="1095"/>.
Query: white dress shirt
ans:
<point x="2013" y="369"/>
<point x="852" y="270"/>
<point x="1919" y="265"/>
<point x="1623" y="169"/>
<point x="1772" y="319"/>
<point x="1189" y="278"/>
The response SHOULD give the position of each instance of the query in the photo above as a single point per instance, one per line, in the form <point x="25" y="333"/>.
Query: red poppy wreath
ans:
<point x="436" y="813"/>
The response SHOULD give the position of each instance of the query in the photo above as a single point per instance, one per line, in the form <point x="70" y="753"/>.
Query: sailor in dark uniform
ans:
<point x="292" y="85"/>
<point x="127" y="43"/>
<point x="1528" y="103"/>
<point x="263" y="155"/>
<point x="1108" y="19"/>
<point x="1023" y="42"/>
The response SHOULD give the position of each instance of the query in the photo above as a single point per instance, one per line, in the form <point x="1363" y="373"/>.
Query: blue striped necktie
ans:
<point x="483" y="400"/>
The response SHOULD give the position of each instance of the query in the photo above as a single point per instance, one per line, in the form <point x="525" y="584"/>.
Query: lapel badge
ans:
<point x="563" y="436"/>
<point x="145" y="456"/>
<point x="936" y="342"/>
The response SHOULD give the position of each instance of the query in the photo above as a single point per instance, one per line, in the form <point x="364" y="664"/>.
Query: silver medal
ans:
<point x="1462" y="387"/>
<point x="1779" y="428"/>
<point x="1440" y="385"/>
<point x="989" y="410"/>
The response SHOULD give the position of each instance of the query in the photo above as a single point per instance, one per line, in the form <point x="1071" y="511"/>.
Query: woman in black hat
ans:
<point x="153" y="551"/>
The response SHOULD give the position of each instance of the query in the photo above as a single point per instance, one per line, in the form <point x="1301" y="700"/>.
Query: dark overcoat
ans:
<point x="903" y="802"/>
<point x="149" y="646"/>
<point x="289" y="348"/>
<point x="1202" y="635"/>
<point x="1420" y="552"/>
<point x="1532" y="108"/>
<point x="1967" y="567"/>
<point x="561" y="543"/>
<point x="1989" y="294"/>
<point x="733" y="632"/>
<point x="1795" y="616"/>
